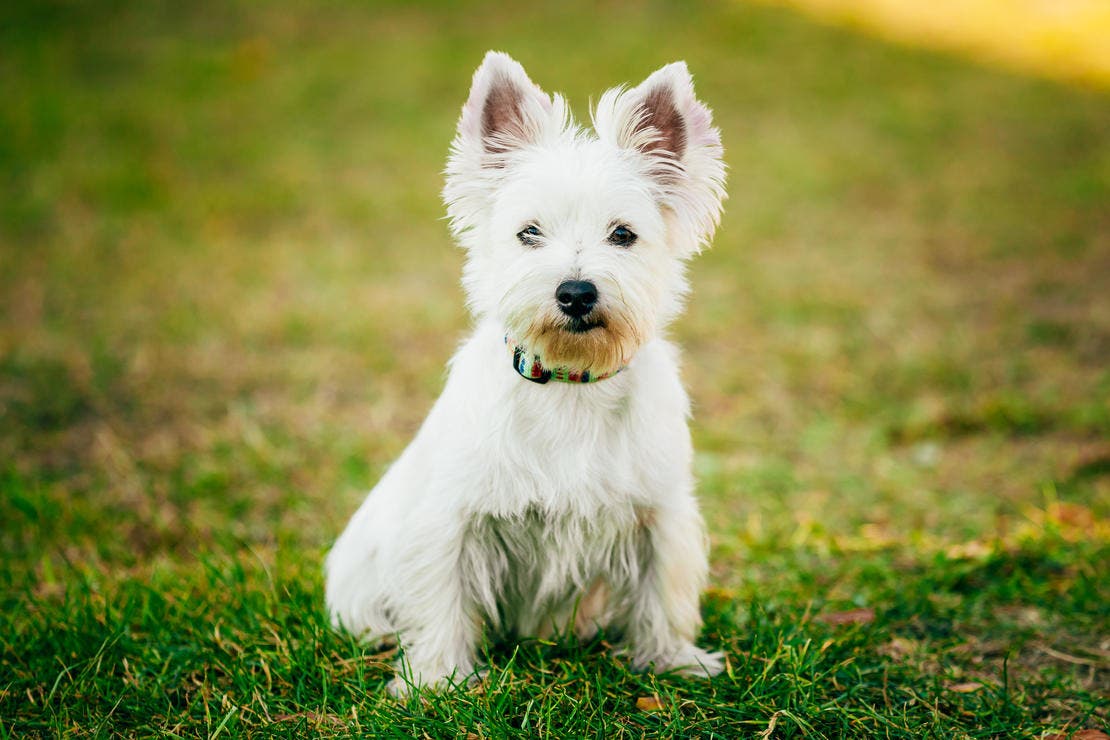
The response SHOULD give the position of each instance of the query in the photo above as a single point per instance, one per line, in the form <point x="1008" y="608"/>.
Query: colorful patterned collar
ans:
<point x="531" y="368"/>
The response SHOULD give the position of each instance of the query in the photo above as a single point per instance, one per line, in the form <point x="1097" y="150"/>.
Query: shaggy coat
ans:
<point x="535" y="508"/>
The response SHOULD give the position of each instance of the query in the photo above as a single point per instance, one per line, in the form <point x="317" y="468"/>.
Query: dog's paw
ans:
<point x="698" y="663"/>
<point x="407" y="681"/>
<point x="687" y="660"/>
<point x="400" y="688"/>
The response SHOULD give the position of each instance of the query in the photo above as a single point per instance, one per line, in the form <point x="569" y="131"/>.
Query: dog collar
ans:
<point x="528" y="366"/>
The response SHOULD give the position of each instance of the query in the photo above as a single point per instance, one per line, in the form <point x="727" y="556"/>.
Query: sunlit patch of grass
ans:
<point x="227" y="297"/>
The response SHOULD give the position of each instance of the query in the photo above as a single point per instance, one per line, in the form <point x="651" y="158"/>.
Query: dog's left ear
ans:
<point x="673" y="131"/>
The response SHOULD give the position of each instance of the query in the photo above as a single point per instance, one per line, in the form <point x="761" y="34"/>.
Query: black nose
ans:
<point x="576" y="297"/>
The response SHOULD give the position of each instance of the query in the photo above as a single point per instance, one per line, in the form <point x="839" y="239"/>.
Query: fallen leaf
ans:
<point x="965" y="688"/>
<point x="898" y="648"/>
<point x="1090" y="734"/>
<point x="1071" y="515"/>
<point x="852" y="616"/>
<point x="649" y="704"/>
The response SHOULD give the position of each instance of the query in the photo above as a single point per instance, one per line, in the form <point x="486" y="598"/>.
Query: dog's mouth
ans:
<point x="598" y="341"/>
<point x="581" y="325"/>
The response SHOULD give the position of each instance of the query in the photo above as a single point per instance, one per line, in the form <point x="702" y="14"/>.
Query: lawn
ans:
<point x="227" y="295"/>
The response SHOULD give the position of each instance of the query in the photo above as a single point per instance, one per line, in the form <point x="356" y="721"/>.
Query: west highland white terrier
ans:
<point x="550" y="487"/>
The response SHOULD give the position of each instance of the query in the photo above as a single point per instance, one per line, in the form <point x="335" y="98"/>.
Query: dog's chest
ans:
<point x="561" y="451"/>
<point x="525" y="566"/>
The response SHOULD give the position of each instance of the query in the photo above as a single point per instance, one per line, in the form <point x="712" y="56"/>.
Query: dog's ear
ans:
<point x="505" y="110"/>
<point x="664" y="121"/>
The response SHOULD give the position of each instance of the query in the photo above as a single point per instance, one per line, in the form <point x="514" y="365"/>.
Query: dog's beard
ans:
<point x="603" y="342"/>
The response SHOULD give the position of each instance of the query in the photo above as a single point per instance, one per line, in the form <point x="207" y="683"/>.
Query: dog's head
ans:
<point x="576" y="241"/>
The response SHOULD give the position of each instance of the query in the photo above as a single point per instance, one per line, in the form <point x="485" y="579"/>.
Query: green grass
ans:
<point x="227" y="295"/>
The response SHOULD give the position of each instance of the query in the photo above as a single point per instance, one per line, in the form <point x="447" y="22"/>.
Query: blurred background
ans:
<point x="227" y="292"/>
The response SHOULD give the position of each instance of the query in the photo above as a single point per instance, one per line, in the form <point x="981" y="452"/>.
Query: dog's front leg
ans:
<point x="442" y="629"/>
<point x="664" y="615"/>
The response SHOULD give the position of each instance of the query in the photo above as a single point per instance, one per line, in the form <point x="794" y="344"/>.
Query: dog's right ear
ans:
<point x="505" y="110"/>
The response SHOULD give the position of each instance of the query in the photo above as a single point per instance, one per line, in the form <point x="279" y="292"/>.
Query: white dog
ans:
<point x="550" y="486"/>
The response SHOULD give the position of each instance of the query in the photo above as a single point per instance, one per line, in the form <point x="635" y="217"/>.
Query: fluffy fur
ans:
<point x="537" y="508"/>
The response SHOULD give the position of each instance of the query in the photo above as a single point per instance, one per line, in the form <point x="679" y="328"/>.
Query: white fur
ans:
<point x="537" y="508"/>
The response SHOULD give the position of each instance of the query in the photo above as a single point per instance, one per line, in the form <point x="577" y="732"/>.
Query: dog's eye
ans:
<point x="529" y="235"/>
<point x="622" y="236"/>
